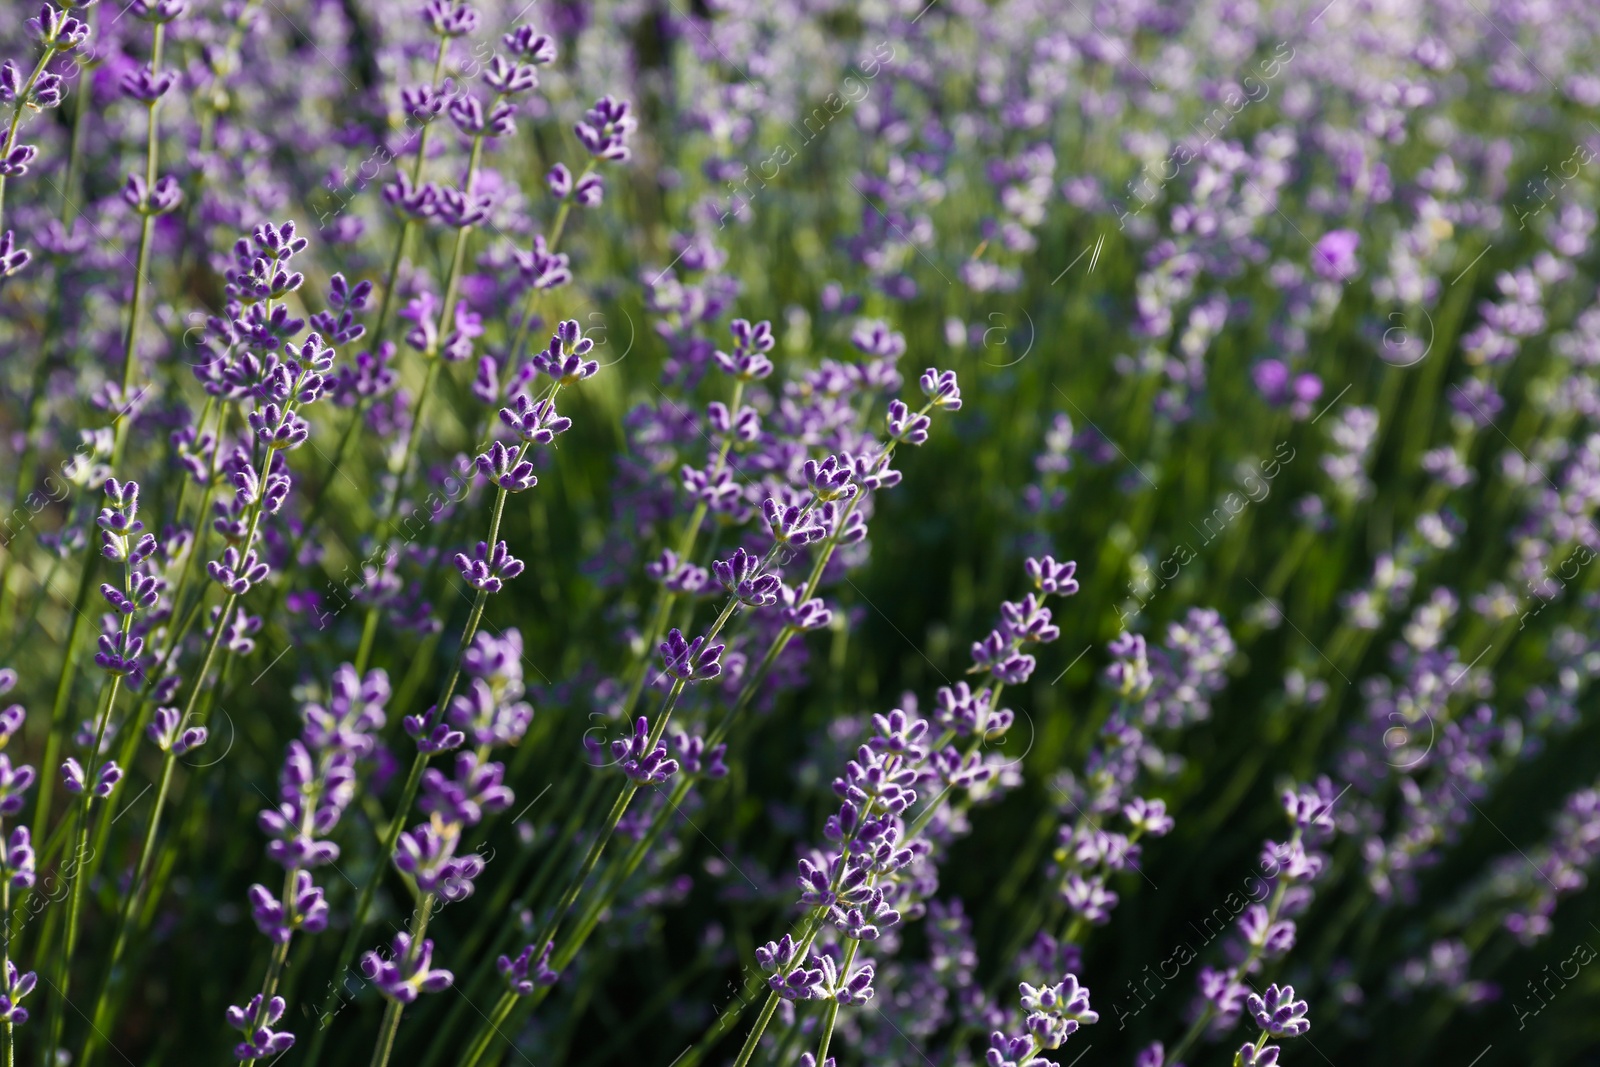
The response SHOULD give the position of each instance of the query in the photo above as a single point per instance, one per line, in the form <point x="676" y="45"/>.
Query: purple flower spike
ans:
<point x="510" y="79"/>
<point x="417" y="204"/>
<point x="432" y="740"/>
<point x="1052" y="578"/>
<point x="166" y="733"/>
<point x="1090" y="898"/>
<point x="450" y="20"/>
<point x="486" y="568"/>
<point x="740" y="574"/>
<point x="261" y="1042"/>
<point x="160" y="199"/>
<point x="147" y="86"/>
<point x="428" y="854"/>
<point x="527" y="43"/>
<point x="1278" y="1013"/>
<point x="158" y="10"/>
<point x="559" y="181"/>
<point x="875" y="338"/>
<point x="604" y="130"/>
<point x="477" y="789"/>
<point x="563" y="358"/>
<point x="503" y="467"/>
<point x="72" y="778"/>
<point x="540" y="268"/>
<point x="813" y="614"/>
<point x="690" y="661"/>
<point x="940" y="387"/>
<point x="536" y="423"/>
<point x="1311" y="809"/>
<point x="1028" y="621"/>
<point x="14" y="782"/>
<point x="748" y="361"/>
<point x="792" y="525"/>
<point x="12" y="720"/>
<point x="403" y="979"/>
<point x="641" y="763"/>
<point x="867" y="920"/>
<point x="856" y="989"/>
<point x="17" y="860"/>
<point x="1250" y="1056"/>
<point x="694" y="758"/>
<point x="1272" y="938"/>
<point x="307" y="909"/>
<point x="1148" y="816"/>
<point x="238" y="574"/>
<point x="18" y="984"/>
<point x="906" y="425"/>
<point x="831" y="479"/>
<point x="119" y="652"/>
<point x="525" y="973"/>
<point x="12" y="257"/>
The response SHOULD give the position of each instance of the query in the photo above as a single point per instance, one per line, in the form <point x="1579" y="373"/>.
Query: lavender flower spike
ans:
<point x="505" y="468"/>
<point x="525" y="973"/>
<point x="1277" y="1012"/>
<point x="261" y="1042"/>
<point x="690" y="661"/>
<point x="641" y="763"/>
<point x="18" y="984"/>
<point x="487" y="568"/>
<point x="401" y="978"/>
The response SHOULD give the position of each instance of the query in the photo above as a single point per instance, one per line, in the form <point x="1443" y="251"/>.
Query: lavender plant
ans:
<point x="544" y="472"/>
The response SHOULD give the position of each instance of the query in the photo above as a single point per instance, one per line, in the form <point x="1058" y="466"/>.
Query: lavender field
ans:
<point x="812" y="533"/>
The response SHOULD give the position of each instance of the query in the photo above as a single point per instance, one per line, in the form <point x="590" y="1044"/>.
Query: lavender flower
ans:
<point x="1278" y="1013"/>
<point x="690" y="661"/>
<point x="526" y="973"/>
<point x="404" y="976"/>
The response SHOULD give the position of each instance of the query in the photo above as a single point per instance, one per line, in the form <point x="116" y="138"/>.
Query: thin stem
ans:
<point x="147" y="852"/>
<point x="391" y="1015"/>
<point x="1208" y="1012"/>
<point x="386" y="302"/>
<point x="497" y="1018"/>
<point x="17" y="110"/>
<point x="69" y="943"/>
<point x="310" y="799"/>
<point x="175" y="639"/>
<point x="124" y="418"/>
<point x="665" y="598"/>
<point x="753" y="1040"/>
<point x="830" y="1014"/>
<point x="414" y="776"/>
<point x="5" y="951"/>
<point x="525" y="326"/>
<point x="64" y="679"/>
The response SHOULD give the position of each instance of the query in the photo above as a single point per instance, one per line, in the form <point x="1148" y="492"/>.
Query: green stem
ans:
<point x="497" y="1018"/>
<point x="525" y="326"/>
<point x="124" y="418"/>
<point x="147" y="852"/>
<point x="753" y="1040"/>
<point x="391" y="1015"/>
<point x="64" y="679"/>
<point x="1209" y="1011"/>
<point x="408" y="795"/>
<point x="830" y="1014"/>
<point x="69" y="943"/>
<point x="386" y="302"/>
<point x="17" y="110"/>
<point x="665" y="598"/>
<point x="5" y="950"/>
